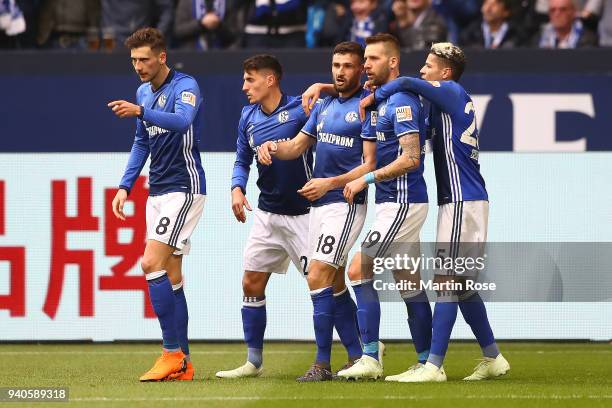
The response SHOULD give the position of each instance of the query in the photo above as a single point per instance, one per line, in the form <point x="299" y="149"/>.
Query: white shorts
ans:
<point x="462" y="231"/>
<point x="274" y="241"/>
<point x="333" y="230"/>
<point x="395" y="225"/>
<point x="172" y="217"/>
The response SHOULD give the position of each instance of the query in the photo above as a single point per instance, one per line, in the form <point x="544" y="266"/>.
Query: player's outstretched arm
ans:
<point x="178" y="121"/>
<point x="441" y="93"/>
<point x="287" y="150"/>
<point x="125" y="109"/>
<point x="368" y="165"/>
<point x="408" y="161"/>
<point x="312" y="94"/>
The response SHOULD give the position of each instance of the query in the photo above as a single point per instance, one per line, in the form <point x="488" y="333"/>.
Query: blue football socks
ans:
<point x="181" y="317"/>
<point x="345" y="323"/>
<point x="420" y="323"/>
<point x="475" y="314"/>
<point x="254" y="325"/>
<point x="368" y="316"/>
<point x="162" y="298"/>
<point x="445" y="314"/>
<point x="323" y="318"/>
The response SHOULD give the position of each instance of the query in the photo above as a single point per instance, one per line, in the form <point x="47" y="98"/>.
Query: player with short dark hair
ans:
<point x="168" y="109"/>
<point x="280" y="229"/>
<point x="342" y="156"/>
<point x="397" y="125"/>
<point x="463" y="205"/>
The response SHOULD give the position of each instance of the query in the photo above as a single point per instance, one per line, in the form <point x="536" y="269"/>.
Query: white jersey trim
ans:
<point x="402" y="183"/>
<point x="190" y="161"/>
<point x="451" y="163"/>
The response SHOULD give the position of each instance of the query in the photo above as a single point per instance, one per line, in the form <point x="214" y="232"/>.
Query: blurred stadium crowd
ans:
<point x="220" y="24"/>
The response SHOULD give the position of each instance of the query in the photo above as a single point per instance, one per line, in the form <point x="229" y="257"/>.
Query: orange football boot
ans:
<point x="168" y="363"/>
<point x="186" y="375"/>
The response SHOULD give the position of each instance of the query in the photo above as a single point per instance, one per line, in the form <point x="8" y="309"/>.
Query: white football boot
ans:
<point x="489" y="368"/>
<point x="399" y="377"/>
<point x="365" y="368"/>
<point x="244" y="371"/>
<point x="427" y="372"/>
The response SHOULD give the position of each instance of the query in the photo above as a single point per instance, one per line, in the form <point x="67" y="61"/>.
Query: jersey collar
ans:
<point x="346" y="98"/>
<point x="166" y="81"/>
<point x="283" y="102"/>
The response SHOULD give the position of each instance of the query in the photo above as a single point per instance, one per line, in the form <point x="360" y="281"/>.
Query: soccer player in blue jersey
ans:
<point x="463" y="204"/>
<point x="280" y="229"/>
<point x="397" y="125"/>
<point x="342" y="156"/>
<point x="168" y="113"/>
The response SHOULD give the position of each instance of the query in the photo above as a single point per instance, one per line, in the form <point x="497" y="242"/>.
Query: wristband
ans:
<point x="369" y="178"/>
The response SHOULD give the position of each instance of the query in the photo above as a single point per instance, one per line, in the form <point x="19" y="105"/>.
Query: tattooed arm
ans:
<point x="408" y="161"/>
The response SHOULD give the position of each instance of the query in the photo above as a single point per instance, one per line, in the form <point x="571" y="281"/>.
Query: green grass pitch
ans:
<point x="106" y="375"/>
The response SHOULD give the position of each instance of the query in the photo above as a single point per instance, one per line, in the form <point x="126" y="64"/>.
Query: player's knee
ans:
<point x="320" y="275"/>
<point x="150" y="264"/>
<point x="254" y="283"/>
<point x="354" y="272"/>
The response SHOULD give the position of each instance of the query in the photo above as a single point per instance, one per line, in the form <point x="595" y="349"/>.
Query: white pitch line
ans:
<point x="348" y="398"/>
<point x="271" y="352"/>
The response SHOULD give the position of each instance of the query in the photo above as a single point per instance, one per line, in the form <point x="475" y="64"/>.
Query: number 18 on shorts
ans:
<point x="333" y="230"/>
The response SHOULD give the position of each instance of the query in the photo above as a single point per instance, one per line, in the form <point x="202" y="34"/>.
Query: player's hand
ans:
<point x="265" y="152"/>
<point x="310" y="97"/>
<point x="365" y="103"/>
<point x="239" y="202"/>
<point x="354" y="187"/>
<point x="118" y="203"/>
<point x="369" y="86"/>
<point x="125" y="109"/>
<point x="315" y="188"/>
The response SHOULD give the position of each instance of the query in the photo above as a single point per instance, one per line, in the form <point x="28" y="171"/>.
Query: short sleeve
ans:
<point x="406" y="113"/>
<point x="310" y="128"/>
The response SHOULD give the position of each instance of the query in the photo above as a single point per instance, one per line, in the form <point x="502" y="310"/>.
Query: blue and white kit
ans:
<point x="169" y="131"/>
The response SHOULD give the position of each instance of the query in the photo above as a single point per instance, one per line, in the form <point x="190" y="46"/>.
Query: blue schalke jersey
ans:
<point x="454" y="137"/>
<point x="279" y="182"/>
<point x="169" y="131"/>
<point x="336" y="126"/>
<point x="397" y="116"/>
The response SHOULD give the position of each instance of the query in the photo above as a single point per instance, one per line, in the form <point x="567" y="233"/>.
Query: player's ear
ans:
<point x="447" y="73"/>
<point x="270" y="80"/>
<point x="393" y="62"/>
<point x="162" y="57"/>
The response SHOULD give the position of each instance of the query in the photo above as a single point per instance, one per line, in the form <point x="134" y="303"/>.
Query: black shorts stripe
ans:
<point x="456" y="229"/>
<point x="180" y="220"/>
<point x="346" y="232"/>
<point x="459" y="228"/>
<point x="451" y="250"/>
<point x="400" y="217"/>
<point x="395" y="228"/>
